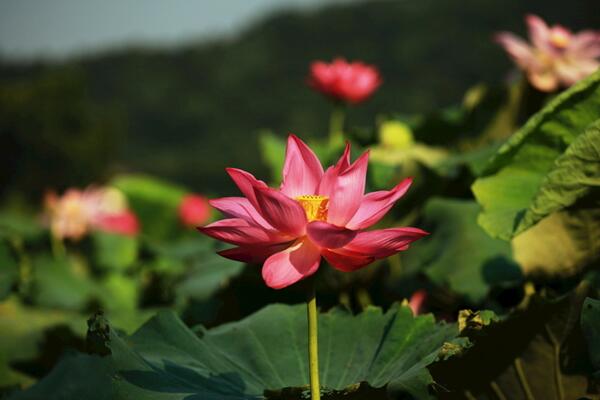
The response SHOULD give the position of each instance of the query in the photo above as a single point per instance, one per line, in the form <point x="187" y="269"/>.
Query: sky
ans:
<point x="57" y="29"/>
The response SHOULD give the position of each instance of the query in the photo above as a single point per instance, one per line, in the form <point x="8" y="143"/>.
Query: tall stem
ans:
<point x="313" y="346"/>
<point x="58" y="247"/>
<point x="336" y="125"/>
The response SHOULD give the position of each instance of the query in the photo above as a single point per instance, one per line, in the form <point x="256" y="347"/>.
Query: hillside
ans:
<point x="188" y="112"/>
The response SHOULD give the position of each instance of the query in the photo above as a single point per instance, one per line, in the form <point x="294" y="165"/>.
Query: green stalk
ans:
<point x="313" y="346"/>
<point x="58" y="247"/>
<point x="336" y="125"/>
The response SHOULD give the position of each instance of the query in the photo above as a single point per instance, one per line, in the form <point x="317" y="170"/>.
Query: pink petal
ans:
<point x="347" y="192"/>
<point x="385" y="242"/>
<point x="246" y="182"/>
<point x="517" y="48"/>
<point x="253" y="254"/>
<point x="239" y="207"/>
<point x="240" y="232"/>
<point x="417" y="300"/>
<point x="290" y="265"/>
<point x="346" y="261"/>
<point x="125" y="223"/>
<point x="284" y="214"/>
<point x="302" y="170"/>
<point x="539" y="33"/>
<point x="329" y="236"/>
<point x="585" y="44"/>
<point x="327" y="184"/>
<point x="375" y="205"/>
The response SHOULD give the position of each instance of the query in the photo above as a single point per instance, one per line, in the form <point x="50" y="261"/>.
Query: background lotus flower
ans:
<point x="314" y="214"/>
<point x="343" y="81"/>
<point x="556" y="56"/>
<point x="76" y="212"/>
<point x="417" y="301"/>
<point x="194" y="210"/>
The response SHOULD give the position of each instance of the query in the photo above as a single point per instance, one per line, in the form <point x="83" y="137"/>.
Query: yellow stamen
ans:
<point x="559" y="39"/>
<point x="315" y="206"/>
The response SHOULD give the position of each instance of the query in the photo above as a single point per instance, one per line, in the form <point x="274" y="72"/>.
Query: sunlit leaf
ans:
<point x="516" y="189"/>
<point x="240" y="360"/>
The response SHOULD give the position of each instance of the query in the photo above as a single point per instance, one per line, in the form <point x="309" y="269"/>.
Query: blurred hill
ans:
<point x="188" y="112"/>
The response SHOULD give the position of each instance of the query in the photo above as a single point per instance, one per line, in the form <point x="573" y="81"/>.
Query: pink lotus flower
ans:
<point x="351" y="82"/>
<point x="556" y="57"/>
<point x="314" y="214"/>
<point x="194" y="210"/>
<point x="77" y="212"/>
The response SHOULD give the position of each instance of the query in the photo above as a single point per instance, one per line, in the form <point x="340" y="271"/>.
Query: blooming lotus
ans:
<point x="76" y="212"/>
<point x="343" y="81"/>
<point x="314" y="214"/>
<point x="194" y="210"/>
<point x="556" y="57"/>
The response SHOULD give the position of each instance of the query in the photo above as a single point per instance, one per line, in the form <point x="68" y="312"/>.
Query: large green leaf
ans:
<point x="240" y="360"/>
<point x="459" y="254"/>
<point x="561" y="245"/>
<point x="515" y="190"/>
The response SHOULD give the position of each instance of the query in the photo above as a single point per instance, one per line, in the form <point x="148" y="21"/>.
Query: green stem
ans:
<point x="58" y="247"/>
<point x="313" y="347"/>
<point x="24" y="267"/>
<point x="336" y="125"/>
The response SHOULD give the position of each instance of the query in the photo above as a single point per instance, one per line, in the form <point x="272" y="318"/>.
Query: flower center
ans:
<point x="559" y="39"/>
<point x="315" y="206"/>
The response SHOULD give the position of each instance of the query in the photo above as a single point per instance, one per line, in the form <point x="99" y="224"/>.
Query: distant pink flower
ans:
<point x="314" y="214"/>
<point x="194" y="210"/>
<point x="76" y="212"/>
<point x="556" y="57"/>
<point x="350" y="82"/>
<point x="417" y="300"/>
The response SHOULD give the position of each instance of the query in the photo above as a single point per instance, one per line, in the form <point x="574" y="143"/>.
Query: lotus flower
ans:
<point x="76" y="212"/>
<point x="314" y="214"/>
<point x="194" y="210"/>
<point x="343" y="81"/>
<point x="556" y="57"/>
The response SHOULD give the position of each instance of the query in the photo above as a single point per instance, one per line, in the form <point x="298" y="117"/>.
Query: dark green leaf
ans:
<point x="459" y="254"/>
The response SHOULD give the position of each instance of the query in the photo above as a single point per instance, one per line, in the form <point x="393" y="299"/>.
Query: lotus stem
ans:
<point x="336" y="125"/>
<point x="313" y="346"/>
<point x="58" y="247"/>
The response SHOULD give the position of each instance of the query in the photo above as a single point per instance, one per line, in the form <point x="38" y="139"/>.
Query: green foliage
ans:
<point x="459" y="254"/>
<point x="61" y="282"/>
<point x="164" y="359"/>
<point x="114" y="251"/>
<point x="272" y="150"/>
<point x="9" y="270"/>
<point x="23" y="337"/>
<point x="537" y="351"/>
<point x="154" y="201"/>
<point x="518" y="187"/>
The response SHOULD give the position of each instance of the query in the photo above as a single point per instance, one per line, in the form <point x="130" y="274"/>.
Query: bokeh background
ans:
<point x="182" y="89"/>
